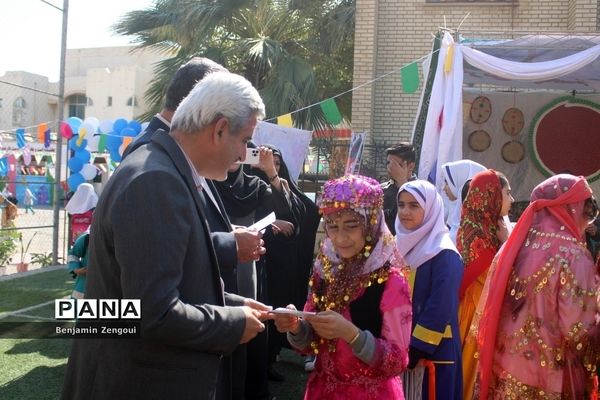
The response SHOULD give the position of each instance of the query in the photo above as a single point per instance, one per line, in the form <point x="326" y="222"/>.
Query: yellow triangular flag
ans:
<point x="285" y="120"/>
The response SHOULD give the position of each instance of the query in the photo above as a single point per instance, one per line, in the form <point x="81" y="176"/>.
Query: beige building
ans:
<point x="106" y="83"/>
<point x="391" y="33"/>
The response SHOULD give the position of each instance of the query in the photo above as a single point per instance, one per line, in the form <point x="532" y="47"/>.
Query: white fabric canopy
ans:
<point x="539" y="71"/>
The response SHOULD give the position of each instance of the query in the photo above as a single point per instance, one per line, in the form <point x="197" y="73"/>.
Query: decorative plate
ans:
<point x="513" y="152"/>
<point x="481" y="109"/>
<point x="479" y="140"/>
<point x="513" y="121"/>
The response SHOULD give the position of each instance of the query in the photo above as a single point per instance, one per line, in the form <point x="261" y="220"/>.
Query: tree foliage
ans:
<point x="295" y="52"/>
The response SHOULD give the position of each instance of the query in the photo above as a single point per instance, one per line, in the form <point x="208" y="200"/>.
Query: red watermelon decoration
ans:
<point x="565" y="136"/>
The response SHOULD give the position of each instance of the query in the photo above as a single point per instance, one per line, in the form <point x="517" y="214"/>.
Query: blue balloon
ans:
<point x="73" y="143"/>
<point x="74" y="123"/>
<point x="119" y="125"/>
<point x="115" y="156"/>
<point x="113" y="142"/>
<point x="75" y="164"/>
<point x="136" y="126"/>
<point x="128" y="132"/>
<point x="83" y="155"/>
<point x="75" y="180"/>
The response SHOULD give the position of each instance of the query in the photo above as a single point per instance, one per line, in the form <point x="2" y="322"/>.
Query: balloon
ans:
<point x="115" y="156"/>
<point x="128" y="132"/>
<point x="106" y="126"/>
<point x="119" y="125"/>
<point x="73" y="143"/>
<point x="136" y="126"/>
<point x="89" y="171"/>
<point x="75" y="180"/>
<point x="74" y="123"/>
<point x="113" y="142"/>
<point x="83" y="155"/>
<point x="65" y="130"/>
<point x="75" y="164"/>
<point x="93" y="122"/>
<point x="93" y="142"/>
<point x="86" y="130"/>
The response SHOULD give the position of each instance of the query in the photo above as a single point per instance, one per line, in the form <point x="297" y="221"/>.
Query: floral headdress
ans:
<point x="352" y="192"/>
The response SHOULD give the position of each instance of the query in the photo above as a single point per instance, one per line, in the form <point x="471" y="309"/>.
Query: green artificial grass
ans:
<point x="34" y="289"/>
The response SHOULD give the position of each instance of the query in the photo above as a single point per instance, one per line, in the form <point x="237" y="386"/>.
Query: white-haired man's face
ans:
<point x="232" y="145"/>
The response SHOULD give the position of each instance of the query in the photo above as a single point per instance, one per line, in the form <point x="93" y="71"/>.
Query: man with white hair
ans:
<point x="154" y="245"/>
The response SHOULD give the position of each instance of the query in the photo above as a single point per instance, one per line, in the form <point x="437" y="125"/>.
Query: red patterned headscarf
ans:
<point x="480" y="214"/>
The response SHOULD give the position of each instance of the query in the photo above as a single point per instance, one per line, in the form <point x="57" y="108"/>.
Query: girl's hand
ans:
<point x="287" y="323"/>
<point x="285" y="227"/>
<point x="80" y="271"/>
<point x="332" y="325"/>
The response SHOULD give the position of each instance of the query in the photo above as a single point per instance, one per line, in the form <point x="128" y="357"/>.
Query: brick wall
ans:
<point x="392" y="33"/>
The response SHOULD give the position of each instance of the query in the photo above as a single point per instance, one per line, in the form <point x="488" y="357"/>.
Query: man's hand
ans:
<point x="260" y="307"/>
<point x="253" y="325"/>
<point x="250" y="245"/>
<point x="285" y="227"/>
<point x="398" y="171"/>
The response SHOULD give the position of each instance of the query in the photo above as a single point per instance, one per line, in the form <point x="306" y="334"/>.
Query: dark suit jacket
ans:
<point x="219" y="223"/>
<point x="150" y="241"/>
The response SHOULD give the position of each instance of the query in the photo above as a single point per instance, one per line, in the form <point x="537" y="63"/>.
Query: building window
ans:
<point x="131" y="101"/>
<point x="109" y="101"/>
<point x="77" y="103"/>
<point x="18" y="114"/>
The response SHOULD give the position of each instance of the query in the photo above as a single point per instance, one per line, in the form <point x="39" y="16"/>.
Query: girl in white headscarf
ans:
<point x="456" y="174"/>
<point x="81" y="208"/>
<point x="436" y="273"/>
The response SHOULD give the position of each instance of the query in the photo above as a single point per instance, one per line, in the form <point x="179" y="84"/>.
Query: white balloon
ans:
<point x="89" y="130"/>
<point x="89" y="171"/>
<point x="93" y="121"/>
<point x="106" y="126"/>
<point x="92" y="143"/>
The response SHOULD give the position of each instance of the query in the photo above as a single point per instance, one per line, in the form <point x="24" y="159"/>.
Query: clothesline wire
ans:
<point x="359" y="86"/>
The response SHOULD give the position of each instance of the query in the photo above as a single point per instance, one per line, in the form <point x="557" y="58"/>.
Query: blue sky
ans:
<point x="31" y="31"/>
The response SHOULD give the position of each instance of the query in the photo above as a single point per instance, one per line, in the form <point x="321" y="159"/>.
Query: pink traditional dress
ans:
<point x="369" y="289"/>
<point x="538" y="331"/>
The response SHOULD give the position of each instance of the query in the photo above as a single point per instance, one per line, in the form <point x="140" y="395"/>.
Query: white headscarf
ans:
<point x="425" y="242"/>
<point x="456" y="174"/>
<point x="84" y="199"/>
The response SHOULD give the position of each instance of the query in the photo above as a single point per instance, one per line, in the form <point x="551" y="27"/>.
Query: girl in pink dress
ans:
<point x="361" y="329"/>
<point x="537" y="334"/>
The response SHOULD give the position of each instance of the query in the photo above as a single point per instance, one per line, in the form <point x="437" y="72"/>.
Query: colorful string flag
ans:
<point x="3" y="166"/>
<point x="40" y="132"/>
<point x="410" y="78"/>
<point x="20" y="138"/>
<point x="285" y="120"/>
<point x="102" y="143"/>
<point x="47" y="138"/>
<point x="331" y="111"/>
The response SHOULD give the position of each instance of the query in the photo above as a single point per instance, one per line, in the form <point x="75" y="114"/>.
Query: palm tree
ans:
<point x="296" y="52"/>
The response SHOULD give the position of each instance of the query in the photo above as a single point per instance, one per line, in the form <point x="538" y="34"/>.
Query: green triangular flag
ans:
<point x="410" y="78"/>
<point x="102" y="143"/>
<point x="332" y="114"/>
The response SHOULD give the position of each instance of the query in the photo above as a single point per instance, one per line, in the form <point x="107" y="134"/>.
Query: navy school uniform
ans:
<point x="435" y="321"/>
